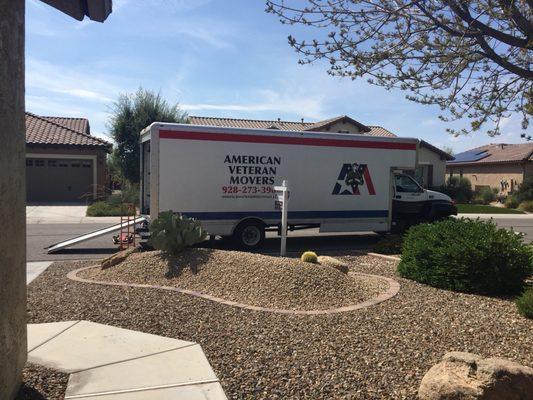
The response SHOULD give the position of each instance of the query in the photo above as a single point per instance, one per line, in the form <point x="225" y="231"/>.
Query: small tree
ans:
<point x="525" y="191"/>
<point x="131" y="113"/>
<point x="459" y="189"/>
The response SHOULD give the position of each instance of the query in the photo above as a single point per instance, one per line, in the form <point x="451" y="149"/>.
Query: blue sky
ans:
<point x="216" y="58"/>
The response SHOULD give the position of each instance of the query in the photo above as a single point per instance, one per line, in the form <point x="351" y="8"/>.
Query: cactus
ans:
<point x="171" y="232"/>
<point x="310" y="257"/>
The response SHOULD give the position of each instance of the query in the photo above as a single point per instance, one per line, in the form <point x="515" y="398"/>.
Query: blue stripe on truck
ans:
<point x="292" y="214"/>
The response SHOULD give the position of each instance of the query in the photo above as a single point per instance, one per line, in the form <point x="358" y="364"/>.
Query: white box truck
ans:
<point x="224" y="177"/>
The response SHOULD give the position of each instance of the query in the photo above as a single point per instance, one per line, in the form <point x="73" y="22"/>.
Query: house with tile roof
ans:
<point x="64" y="162"/>
<point x="431" y="163"/>
<point x="502" y="166"/>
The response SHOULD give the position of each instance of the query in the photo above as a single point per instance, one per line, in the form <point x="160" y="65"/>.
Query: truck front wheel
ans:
<point x="249" y="234"/>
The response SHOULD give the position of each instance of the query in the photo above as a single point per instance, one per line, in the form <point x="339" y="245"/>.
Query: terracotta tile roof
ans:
<point x="48" y="131"/>
<point x="250" y="123"/>
<point x="76" y="124"/>
<point x="496" y="153"/>
<point x="284" y="125"/>
<point x="379" y="131"/>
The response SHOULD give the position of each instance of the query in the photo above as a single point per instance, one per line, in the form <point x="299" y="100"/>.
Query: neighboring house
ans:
<point x="64" y="163"/>
<point x="432" y="161"/>
<point x="501" y="166"/>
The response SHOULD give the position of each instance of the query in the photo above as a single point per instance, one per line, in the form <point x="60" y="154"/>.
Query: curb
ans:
<point x="394" y="288"/>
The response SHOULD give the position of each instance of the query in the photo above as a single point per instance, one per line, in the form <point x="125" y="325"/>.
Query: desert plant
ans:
<point x="511" y="202"/>
<point x="526" y="205"/>
<point x="172" y="232"/>
<point x="524" y="191"/>
<point x="487" y="195"/>
<point x="105" y="209"/>
<point x="525" y="303"/>
<point x="310" y="257"/>
<point x="466" y="255"/>
<point x="459" y="189"/>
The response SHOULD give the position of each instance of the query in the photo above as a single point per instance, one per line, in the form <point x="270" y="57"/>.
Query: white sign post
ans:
<point x="282" y="198"/>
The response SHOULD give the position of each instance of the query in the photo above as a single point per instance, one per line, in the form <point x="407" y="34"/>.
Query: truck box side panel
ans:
<point x="221" y="177"/>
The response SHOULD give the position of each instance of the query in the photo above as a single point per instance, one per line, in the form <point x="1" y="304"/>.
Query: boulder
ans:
<point x="117" y="258"/>
<point x="334" y="263"/>
<point x="467" y="376"/>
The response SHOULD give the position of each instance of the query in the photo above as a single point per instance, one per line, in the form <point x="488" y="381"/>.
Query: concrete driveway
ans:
<point x="63" y="214"/>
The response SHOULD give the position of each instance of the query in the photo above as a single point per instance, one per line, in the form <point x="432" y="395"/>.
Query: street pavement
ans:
<point x="43" y="235"/>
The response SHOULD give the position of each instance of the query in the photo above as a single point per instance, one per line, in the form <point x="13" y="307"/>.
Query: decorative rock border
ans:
<point x="384" y="256"/>
<point x="394" y="288"/>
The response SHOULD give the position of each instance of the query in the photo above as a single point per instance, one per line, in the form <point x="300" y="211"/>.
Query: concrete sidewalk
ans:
<point x="64" y="214"/>
<point x="110" y="363"/>
<point x="498" y="216"/>
<point x="36" y="268"/>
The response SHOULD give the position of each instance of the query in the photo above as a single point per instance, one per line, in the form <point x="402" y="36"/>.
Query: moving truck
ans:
<point x="225" y="178"/>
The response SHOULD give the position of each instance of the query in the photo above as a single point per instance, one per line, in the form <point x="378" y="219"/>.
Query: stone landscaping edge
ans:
<point x="394" y="288"/>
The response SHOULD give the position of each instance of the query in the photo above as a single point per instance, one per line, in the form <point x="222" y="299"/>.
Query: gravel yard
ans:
<point x="255" y="279"/>
<point x="380" y="352"/>
<point x="42" y="383"/>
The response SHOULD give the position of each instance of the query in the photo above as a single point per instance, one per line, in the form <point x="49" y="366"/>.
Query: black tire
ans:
<point x="249" y="235"/>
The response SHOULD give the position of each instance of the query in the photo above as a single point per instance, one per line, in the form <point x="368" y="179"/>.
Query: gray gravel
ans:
<point x="380" y="352"/>
<point x="253" y="279"/>
<point x="42" y="383"/>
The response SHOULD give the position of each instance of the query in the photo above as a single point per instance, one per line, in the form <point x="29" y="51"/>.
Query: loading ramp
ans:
<point x="91" y="235"/>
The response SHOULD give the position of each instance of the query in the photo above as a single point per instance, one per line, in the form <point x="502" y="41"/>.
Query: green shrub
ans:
<point x="525" y="303"/>
<point x="105" y="209"/>
<point x="310" y="257"/>
<point x="511" y="202"/>
<point x="171" y="233"/>
<point x="526" y="206"/>
<point x="466" y="255"/>
<point x="487" y="195"/>
<point x="390" y="244"/>
<point x="524" y="191"/>
<point x="459" y="189"/>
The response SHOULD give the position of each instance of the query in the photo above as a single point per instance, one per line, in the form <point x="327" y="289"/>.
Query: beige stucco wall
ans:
<point x="13" y="343"/>
<point x="427" y="157"/>
<point x="100" y="154"/>
<point x="490" y="175"/>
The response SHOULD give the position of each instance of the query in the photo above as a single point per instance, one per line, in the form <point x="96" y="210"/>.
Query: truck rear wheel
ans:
<point x="249" y="234"/>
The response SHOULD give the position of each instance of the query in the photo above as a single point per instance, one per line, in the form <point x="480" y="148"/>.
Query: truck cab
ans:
<point x="412" y="204"/>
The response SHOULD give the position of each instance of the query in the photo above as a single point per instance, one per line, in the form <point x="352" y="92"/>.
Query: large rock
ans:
<point x="467" y="376"/>
<point x="117" y="258"/>
<point x="334" y="263"/>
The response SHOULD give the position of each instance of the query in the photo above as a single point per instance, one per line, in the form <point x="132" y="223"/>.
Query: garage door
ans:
<point x="49" y="179"/>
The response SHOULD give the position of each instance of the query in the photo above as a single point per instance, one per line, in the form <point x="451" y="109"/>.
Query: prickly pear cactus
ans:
<point x="172" y="232"/>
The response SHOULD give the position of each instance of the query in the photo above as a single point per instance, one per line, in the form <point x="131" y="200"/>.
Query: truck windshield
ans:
<point x="406" y="184"/>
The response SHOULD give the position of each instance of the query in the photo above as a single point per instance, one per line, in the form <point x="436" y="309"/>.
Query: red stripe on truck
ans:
<point x="230" y="137"/>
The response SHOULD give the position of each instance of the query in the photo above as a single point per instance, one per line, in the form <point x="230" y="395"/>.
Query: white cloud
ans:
<point x="72" y="82"/>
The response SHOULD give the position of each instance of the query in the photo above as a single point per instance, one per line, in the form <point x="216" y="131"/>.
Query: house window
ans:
<point x="52" y="163"/>
<point x="39" y="163"/>
<point x="29" y="162"/>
